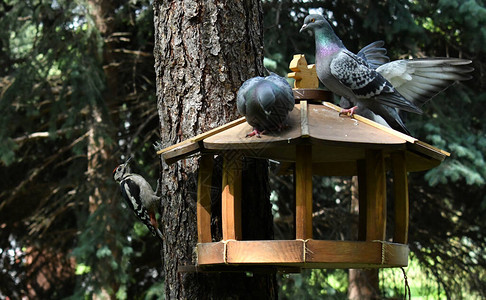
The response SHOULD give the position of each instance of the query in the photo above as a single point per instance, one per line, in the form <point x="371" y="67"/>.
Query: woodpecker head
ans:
<point x="121" y="170"/>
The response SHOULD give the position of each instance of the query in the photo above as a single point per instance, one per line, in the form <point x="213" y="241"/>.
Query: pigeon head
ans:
<point x="323" y="32"/>
<point x="311" y="22"/>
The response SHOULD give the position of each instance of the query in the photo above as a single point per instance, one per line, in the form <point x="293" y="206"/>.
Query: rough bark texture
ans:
<point x="363" y="284"/>
<point x="204" y="50"/>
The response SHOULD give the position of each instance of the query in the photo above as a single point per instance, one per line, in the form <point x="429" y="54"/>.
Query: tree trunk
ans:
<point x="204" y="50"/>
<point x="363" y="284"/>
<point x="99" y="150"/>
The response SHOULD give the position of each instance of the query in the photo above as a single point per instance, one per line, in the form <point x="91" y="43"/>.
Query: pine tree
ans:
<point x="204" y="51"/>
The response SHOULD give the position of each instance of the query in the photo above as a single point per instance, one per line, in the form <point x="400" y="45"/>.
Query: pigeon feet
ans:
<point x="256" y="133"/>
<point x="348" y="112"/>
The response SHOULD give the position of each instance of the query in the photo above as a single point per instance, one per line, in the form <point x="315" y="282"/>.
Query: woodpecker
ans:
<point x="139" y="196"/>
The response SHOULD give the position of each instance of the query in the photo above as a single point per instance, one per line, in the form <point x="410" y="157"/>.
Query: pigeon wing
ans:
<point x="244" y="94"/>
<point x="374" y="54"/>
<point x="419" y="80"/>
<point x="285" y="93"/>
<point x="366" y="83"/>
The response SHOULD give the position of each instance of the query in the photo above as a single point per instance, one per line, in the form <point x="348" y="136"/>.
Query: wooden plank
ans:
<point x="374" y="124"/>
<point x="428" y="151"/>
<point x="363" y="203"/>
<point x="350" y="266"/>
<point x="417" y="161"/>
<point x="304" y="119"/>
<point x="325" y="127"/>
<point x="312" y="95"/>
<point x="343" y="252"/>
<point x="400" y="188"/>
<point x="303" y="192"/>
<point x="265" y="252"/>
<point x="174" y="154"/>
<point x="210" y="253"/>
<point x="204" y="135"/>
<point x="375" y="195"/>
<point x="318" y="254"/>
<point x="432" y="148"/>
<point x="355" y="254"/>
<point x="231" y="196"/>
<point x="204" y="199"/>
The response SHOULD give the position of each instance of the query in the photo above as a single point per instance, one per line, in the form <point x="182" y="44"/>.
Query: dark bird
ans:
<point x="266" y="103"/>
<point x="379" y="91"/>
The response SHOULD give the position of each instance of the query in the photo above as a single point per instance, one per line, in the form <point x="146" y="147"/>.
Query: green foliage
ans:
<point x="156" y="291"/>
<point x="63" y="126"/>
<point x="314" y="284"/>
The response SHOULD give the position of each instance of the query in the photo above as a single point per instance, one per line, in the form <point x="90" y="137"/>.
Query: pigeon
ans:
<point x="266" y="103"/>
<point x="374" y="54"/>
<point x="377" y="88"/>
<point x="418" y="80"/>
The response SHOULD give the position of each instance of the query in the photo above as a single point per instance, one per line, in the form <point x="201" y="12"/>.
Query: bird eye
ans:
<point x="313" y="20"/>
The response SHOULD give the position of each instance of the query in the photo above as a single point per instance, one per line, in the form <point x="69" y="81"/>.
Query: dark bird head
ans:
<point x="323" y="32"/>
<point x="121" y="170"/>
<point x="311" y="22"/>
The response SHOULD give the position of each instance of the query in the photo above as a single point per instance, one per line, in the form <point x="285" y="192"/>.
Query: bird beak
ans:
<point x="128" y="160"/>
<point x="303" y="28"/>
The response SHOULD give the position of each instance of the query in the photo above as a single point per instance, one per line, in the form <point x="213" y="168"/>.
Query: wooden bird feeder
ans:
<point x="317" y="142"/>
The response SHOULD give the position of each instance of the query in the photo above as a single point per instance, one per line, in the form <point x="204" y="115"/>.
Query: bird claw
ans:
<point x="256" y="133"/>
<point x="348" y="111"/>
<point x="158" y="146"/>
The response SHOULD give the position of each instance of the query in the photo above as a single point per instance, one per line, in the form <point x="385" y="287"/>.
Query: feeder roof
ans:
<point x="334" y="139"/>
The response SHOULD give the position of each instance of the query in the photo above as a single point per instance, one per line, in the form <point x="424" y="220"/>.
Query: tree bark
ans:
<point x="204" y="50"/>
<point x="363" y="284"/>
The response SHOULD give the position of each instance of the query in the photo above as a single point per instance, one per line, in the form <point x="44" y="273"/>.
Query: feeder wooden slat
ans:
<point x="374" y="124"/>
<point x="363" y="203"/>
<point x="304" y="254"/>
<point x="210" y="253"/>
<point x="204" y="199"/>
<point x="375" y="195"/>
<point x="304" y="120"/>
<point x="204" y="135"/>
<point x="264" y="252"/>
<point x="231" y="196"/>
<point x="400" y="188"/>
<point x="177" y="151"/>
<point x="312" y="95"/>
<point x="303" y="191"/>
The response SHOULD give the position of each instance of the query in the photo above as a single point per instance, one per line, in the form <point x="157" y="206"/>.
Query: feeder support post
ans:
<point x="231" y="196"/>
<point x="400" y="188"/>
<point x="204" y="199"/>
<point x="375" y="195"/>
<point x="303" y="192"/>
